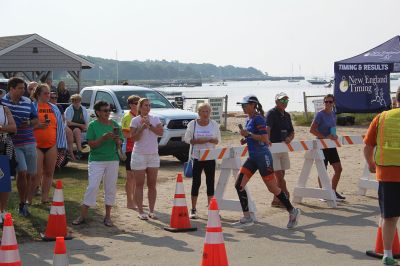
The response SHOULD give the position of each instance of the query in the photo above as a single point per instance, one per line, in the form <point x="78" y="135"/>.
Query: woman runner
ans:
<point x="255" y="135"/>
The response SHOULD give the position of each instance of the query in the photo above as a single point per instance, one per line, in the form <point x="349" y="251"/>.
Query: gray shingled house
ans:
<point x="36" y="57"/>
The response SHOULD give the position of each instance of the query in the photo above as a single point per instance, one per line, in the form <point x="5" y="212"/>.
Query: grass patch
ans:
<point x="300" y="119"/>
<point x="360" y="119"/>
<point x="74" y="178"/>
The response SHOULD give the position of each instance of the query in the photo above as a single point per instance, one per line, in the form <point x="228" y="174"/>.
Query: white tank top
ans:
<point x="3" y="117"/>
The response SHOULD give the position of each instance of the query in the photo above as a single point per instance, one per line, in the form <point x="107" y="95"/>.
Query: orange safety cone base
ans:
<point x="214" y="254"/>
<point x="11" y="263"/>
<point x="45" y="238"/>
<point x="180" y="221"/>
<point x="180" y="217"/>
<point x="378" y="252"/>
<point x="178" y="230"/>
<point x="373" y="254"/>
<point x="56" y="226"/>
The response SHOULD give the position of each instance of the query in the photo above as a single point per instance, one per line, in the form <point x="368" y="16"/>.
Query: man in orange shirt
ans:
<point x="383" y="134"/>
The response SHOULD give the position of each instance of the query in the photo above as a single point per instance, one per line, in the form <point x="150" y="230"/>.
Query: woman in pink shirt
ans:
<point x="145" y="130"/>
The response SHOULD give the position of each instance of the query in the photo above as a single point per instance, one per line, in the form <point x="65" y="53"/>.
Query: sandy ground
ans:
<point x="325" y="236"/>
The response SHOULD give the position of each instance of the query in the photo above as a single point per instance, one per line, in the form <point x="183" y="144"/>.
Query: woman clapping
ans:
<point x="145" y="129"/>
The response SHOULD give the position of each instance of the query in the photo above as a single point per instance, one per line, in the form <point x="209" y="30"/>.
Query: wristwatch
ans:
<point x="249" y="135"/>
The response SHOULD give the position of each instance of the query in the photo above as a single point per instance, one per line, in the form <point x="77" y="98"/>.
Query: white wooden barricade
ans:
<point x="367" y="180"/>
<point x="231" y="164"/>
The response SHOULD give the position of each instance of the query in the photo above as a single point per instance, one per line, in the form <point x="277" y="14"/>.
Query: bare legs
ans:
<point x="151" y="184"/>
<point x="77" y="136"/>
<point x="130" y="187"/>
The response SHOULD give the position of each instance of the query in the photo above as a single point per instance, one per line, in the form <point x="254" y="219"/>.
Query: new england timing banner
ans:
<point x="362" y="88"/>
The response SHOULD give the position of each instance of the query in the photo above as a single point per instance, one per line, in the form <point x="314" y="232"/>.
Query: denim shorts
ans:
<point x="26" y="158"/>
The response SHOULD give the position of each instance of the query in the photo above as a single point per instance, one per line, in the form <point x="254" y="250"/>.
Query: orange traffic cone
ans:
<point x="378" y="252"/>
<point x="60" y="253"/>
<point x="57" y="222"/>
<point x="9" y="254"/>
<point x="180" y="217"/>
<point x="214" y="253"/>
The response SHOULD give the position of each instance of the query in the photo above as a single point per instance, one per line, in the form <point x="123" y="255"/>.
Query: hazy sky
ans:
<point x="269" y="35"/>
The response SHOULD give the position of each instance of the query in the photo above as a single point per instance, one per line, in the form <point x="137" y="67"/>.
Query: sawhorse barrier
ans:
<point x="231" y="163"/>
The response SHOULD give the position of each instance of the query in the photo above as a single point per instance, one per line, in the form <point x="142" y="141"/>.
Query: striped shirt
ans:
<point x="21" y="111"/>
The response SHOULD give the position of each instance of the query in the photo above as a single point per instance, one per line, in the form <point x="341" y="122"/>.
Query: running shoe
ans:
<point x="193" y="214"/>
<point x="294" y="216"/>
<point x="23" y="210"/>
<point x="389" y="261"/>
<point x="38" y="192"/>
<point x="339" y="197"/>
<point x="244" y="222"/>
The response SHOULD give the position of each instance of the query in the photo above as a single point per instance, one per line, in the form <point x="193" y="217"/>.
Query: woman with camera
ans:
<point x="104" y="137"/>
<point x="50" y="136"/>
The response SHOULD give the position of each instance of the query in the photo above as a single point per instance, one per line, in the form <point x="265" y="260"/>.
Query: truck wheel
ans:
<point x="183" y="157"/>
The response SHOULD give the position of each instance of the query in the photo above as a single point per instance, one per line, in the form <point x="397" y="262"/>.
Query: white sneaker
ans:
<point x="193" y="214"/>
<point x="243" y="222"/>
<point x="294" y="216"/>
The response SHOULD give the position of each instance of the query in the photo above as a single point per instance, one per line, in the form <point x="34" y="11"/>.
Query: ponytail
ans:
<point x="259" y="109"/>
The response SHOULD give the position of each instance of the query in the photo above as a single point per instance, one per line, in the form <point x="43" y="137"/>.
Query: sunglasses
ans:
<point x="284" y="100"/>
<point x="53" y="97"/>
<point x="328" y="101"/>
<point x="134" y="103"/>
<point x="244" y="105"/>
<point x="105" y="110"/>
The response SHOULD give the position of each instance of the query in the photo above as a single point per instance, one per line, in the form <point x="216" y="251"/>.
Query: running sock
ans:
<point x="285" y="201"/>
<point x="388" y="253"/>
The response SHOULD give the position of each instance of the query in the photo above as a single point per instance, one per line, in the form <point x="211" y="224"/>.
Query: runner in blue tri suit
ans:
<point x="256" y="137"/>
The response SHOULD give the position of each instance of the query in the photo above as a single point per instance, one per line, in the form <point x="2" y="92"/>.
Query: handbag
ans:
<point x="188" y="166"/>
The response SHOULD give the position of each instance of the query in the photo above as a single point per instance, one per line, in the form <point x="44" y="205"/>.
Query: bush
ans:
<point x="359" y="119"/>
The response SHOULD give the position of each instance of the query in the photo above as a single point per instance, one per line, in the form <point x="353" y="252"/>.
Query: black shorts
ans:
<point x="389" y="199"/>
<point x="261" y="162"/>
<point x="128" y="161"/>
<point x="331" y="155"/>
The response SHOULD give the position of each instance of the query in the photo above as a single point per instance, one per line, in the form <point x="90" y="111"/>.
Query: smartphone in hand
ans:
<point x="240" y="126"/>
<point x="46" y="119"/>
<point x="115" y="131"/>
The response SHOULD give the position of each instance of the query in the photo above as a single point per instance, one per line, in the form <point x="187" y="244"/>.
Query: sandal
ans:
<point x="78" y="221"/>
<point x="152" y="215"/>
<point x="107" y="222"/>
<point x="143" y="216"/>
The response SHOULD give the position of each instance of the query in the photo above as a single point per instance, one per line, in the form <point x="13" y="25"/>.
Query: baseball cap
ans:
<point x="248" y="99"/>
<point x="281" y="95"/>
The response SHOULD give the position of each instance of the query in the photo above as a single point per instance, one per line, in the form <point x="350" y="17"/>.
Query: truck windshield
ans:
<point x="156" y="99"/>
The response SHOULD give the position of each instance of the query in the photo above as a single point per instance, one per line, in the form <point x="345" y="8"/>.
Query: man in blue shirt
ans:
<point x="26" y="118"/>
<point x="280" y="129"/>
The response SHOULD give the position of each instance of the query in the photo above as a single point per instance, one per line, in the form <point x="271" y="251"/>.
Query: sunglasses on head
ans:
<point x="328" y="101"/>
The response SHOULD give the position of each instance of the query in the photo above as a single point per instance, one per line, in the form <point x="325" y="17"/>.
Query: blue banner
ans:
<point x="362" y="88"/>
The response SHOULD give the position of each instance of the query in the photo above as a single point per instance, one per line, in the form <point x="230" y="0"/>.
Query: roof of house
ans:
<point x="9" y="43"/>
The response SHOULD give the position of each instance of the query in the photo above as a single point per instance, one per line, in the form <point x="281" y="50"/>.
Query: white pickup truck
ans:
<point x="174" y="120"/>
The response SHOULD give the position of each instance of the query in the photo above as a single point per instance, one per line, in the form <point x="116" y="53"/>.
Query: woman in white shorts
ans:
<point x="145" y="129"/>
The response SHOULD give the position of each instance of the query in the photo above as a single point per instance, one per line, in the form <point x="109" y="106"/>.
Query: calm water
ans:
<point x="264" y="90"/>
